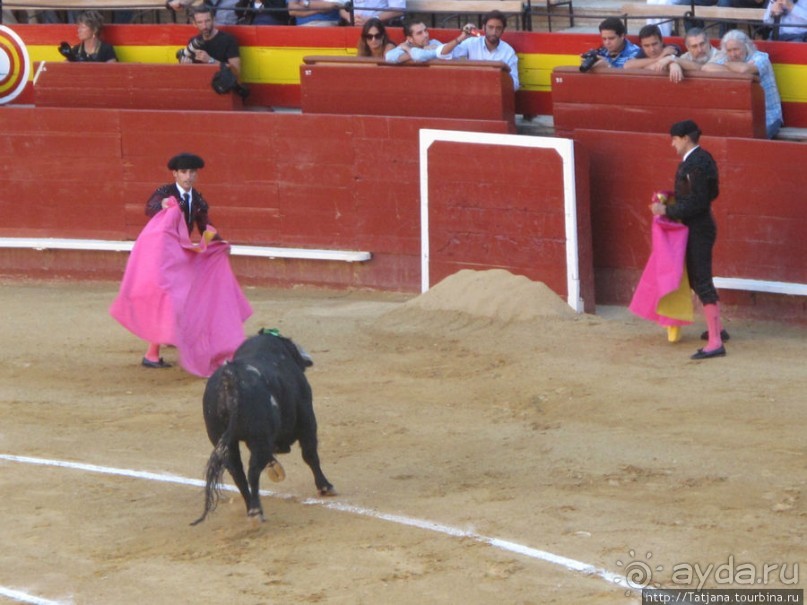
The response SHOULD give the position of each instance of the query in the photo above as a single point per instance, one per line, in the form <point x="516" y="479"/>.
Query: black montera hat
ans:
<point x="186" y="161"/>
<point x="682" y="129"/>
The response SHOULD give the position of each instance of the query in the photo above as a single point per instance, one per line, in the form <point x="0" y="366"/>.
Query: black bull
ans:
<point x="263" y="398"/>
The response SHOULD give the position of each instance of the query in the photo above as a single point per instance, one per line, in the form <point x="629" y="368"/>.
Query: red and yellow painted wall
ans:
<point x="271" y="58"/>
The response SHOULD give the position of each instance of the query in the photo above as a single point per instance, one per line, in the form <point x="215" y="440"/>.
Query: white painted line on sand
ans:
<point x="507" y="545"/>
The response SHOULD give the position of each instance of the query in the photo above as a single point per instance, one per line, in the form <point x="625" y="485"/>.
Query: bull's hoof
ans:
<point x="275" y="471"/>
<point x="327" y="491"/>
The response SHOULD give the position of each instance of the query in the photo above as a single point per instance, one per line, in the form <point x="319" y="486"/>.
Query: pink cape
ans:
<point x="177" y="293"/>
<point x="663" y="291"/>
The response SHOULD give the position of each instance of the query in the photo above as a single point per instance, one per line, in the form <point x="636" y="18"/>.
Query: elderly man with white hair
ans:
<point x="738" y="54"/>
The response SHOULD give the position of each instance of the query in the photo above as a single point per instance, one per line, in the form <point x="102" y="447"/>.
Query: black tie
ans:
<point x="187" y="198"/>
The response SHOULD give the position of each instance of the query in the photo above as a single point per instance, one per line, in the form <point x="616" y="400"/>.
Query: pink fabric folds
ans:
<point x="177" y="293"/>
<point x="662" y="294"/>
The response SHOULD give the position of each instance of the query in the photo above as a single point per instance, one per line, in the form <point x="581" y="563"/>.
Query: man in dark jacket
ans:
<point x="185" y="168"/>
<point x="696" y="186"/>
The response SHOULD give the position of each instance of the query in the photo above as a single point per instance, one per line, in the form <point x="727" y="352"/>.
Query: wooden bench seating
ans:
<point x="676" y="13"/>
<point x="130" y="86"/>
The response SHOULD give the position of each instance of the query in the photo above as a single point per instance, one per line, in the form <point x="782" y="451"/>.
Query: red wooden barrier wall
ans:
<point x="508" y="214"/>
<point x="469" y="90"/>
<point x="632" y="100"/>
<point x="131" y="86"/>
<point x="346" y="182"/>
<point x="334" y="182"/>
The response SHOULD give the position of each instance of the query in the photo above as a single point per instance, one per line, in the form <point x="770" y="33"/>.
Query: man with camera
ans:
<point x="616" y="49"/>
<point x="655" y="55"/>
<point x="211" y="45"/>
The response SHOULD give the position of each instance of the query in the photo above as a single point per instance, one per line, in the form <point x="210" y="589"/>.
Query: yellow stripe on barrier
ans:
<point x="535" y="69"/>
<point x="268" y="65"/>
<point x="281" y="65"/>
<point x="792" y="82"/>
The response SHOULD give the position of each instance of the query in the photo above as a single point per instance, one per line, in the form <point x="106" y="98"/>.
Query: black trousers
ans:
<point x="700" y="243"/>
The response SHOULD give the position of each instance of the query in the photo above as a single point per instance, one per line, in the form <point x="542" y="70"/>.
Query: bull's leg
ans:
<point x="236" y="469"/>
<point x="308" y="446"/>
<point x="260" y="456"/>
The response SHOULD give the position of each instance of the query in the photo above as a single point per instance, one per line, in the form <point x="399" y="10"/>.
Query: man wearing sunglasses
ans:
<point x="417" y="47"/>
<point x="483" y="46"/>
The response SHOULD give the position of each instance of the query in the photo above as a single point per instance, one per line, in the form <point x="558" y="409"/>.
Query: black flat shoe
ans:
<point x="147" y="363"/>
<point x="701" y="354"/>
<point x="724" y="336"/>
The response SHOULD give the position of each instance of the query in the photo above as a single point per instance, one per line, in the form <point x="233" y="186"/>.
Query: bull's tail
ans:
<point x="218" y="458"/>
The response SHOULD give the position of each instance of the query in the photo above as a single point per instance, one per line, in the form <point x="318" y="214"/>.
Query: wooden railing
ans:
<point x="677" y="13"/>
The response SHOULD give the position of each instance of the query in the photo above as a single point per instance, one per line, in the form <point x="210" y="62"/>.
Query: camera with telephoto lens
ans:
<point x="590" y="58"/>
<point x="189" y="52"/>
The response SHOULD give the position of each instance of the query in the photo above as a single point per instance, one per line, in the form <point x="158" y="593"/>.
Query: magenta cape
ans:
<point x="663" y="292"/>
<point x="177" y="293"/>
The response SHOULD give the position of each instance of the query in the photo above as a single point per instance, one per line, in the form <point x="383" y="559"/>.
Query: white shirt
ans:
<point x="418" y="55"/>
<point x="475" y="49"/>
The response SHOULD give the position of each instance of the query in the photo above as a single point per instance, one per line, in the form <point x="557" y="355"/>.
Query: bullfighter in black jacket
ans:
<point x="696" y="186"/>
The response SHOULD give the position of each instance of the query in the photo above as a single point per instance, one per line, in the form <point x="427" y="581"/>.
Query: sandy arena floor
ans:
<point x="486" y="408"/>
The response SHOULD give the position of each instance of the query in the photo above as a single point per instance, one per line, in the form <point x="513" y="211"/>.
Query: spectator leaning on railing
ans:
<point x="653" y="50"/>
<point x="417" y="47"/>
<point x="738" y="54"/>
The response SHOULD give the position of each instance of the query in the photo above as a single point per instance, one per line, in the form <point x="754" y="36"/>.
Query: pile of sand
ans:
<point x="495" y="294"/>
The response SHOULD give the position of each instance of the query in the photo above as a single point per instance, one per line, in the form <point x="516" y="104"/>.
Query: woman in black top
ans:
<point x="90" y="47"/>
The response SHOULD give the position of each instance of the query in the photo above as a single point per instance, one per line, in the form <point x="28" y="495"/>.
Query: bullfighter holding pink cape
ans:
<point x="175" y="292"/>
<point x="662" y="294"/>
<point x="696" y="187"/>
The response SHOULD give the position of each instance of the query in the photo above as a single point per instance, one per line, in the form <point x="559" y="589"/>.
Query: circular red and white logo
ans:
<point x="15" y="65"/>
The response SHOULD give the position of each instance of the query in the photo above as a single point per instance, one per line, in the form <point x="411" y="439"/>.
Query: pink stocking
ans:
<point x="713" y="324"/>
<point x="153" y="353"/>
